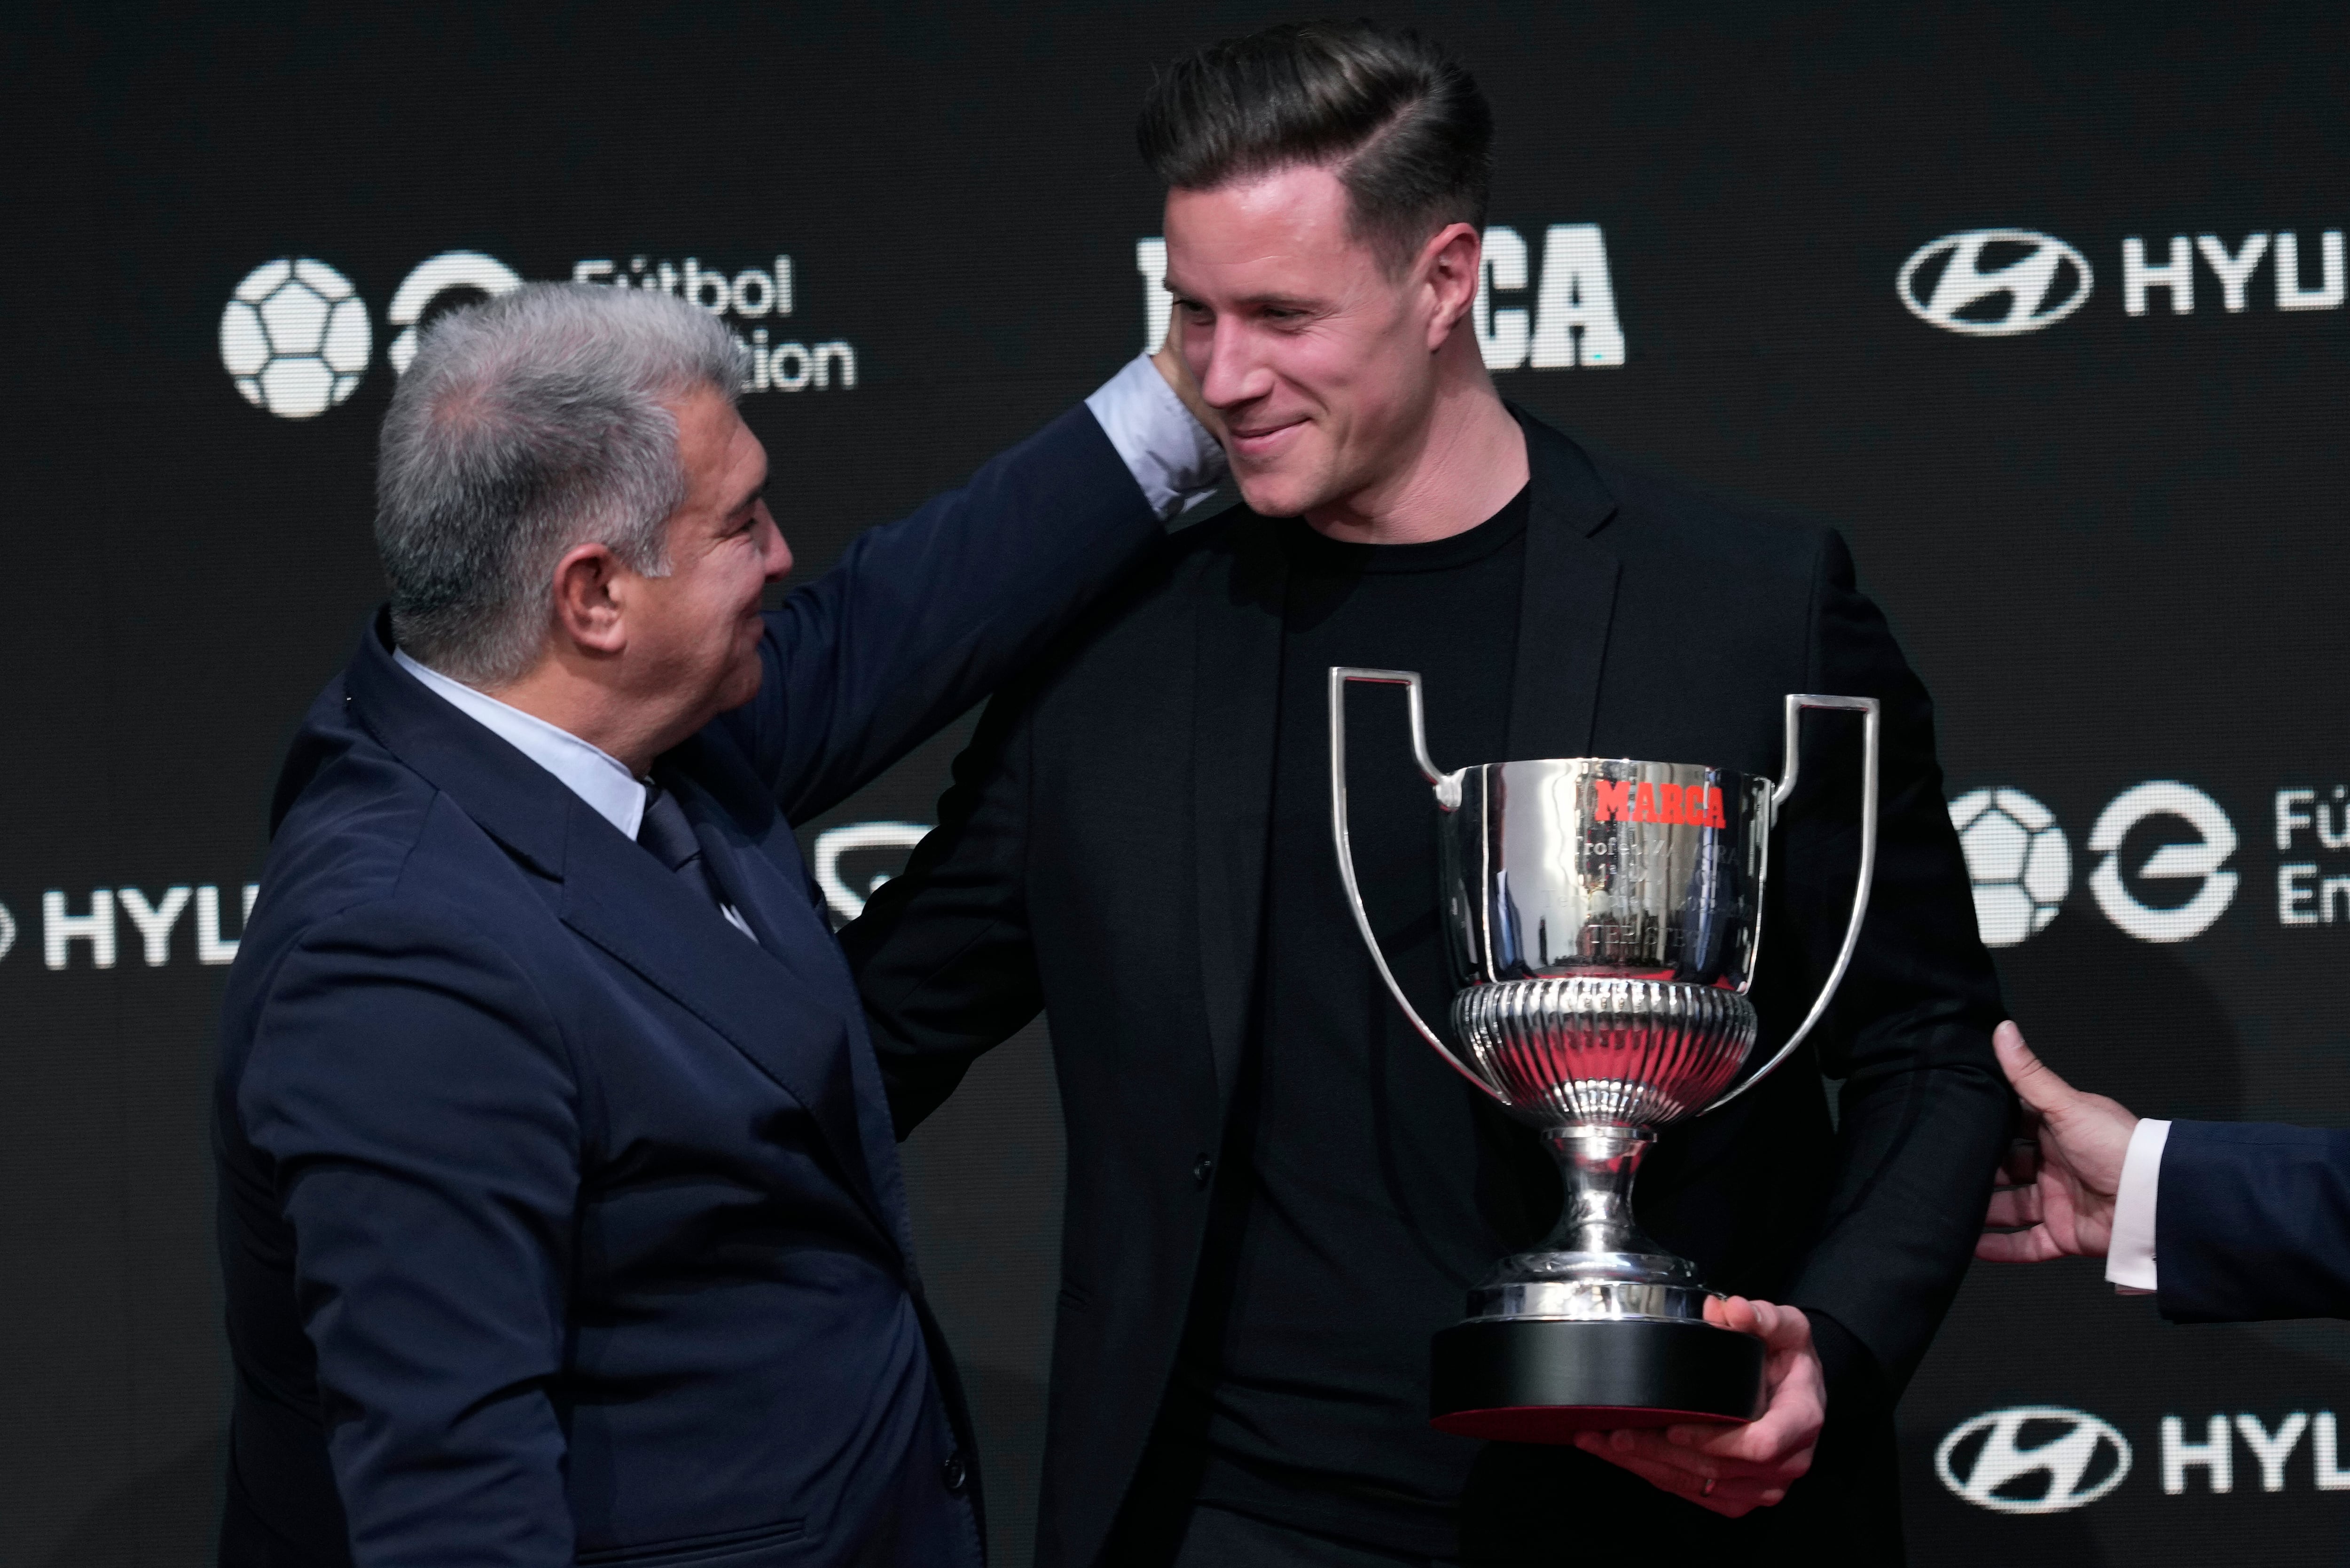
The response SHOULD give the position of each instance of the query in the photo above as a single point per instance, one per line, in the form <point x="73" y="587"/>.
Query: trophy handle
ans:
<point x="1448" y="797"/>
<point x="1867" y="708"/>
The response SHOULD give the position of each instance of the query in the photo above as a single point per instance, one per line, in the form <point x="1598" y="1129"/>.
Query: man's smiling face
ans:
<point x="695" y="630"/>
<point x="1316" y="357"/>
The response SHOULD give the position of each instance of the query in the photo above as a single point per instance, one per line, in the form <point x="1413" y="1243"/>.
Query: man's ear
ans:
<point x="589" y="599"/>
<point x="1449" y="265"/>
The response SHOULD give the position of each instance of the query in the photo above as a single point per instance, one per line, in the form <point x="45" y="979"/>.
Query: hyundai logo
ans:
<point x="2034" y="1459"/>
<point x="2032" y="281"/>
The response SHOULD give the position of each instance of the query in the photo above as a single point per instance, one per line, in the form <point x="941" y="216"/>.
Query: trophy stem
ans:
<point x="1599" y="1327"/>
<point x="1597" y="1163"/>
<point x="1596" y="1262"/>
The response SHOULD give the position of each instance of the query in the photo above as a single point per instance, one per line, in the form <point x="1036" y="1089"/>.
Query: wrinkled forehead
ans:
<point x="726" y="463"/>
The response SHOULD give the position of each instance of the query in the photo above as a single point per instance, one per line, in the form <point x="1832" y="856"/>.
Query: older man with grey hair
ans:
<point x="560" y="1213"/>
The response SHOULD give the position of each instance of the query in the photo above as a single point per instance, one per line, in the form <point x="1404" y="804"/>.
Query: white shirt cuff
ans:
<point x="1170" y="454"/>
<point x="2130" y="1258"/>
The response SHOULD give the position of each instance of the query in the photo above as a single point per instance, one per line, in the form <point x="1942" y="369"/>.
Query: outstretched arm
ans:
<point x="2252" y="1222"/>
<point x="2224" y="1221"/>
<point x="924" y="617"/>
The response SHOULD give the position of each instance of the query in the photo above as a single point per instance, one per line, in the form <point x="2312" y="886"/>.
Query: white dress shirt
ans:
<point x="592" y="774"/>
<point x="2129" y="1256"/>
<point x="1170" y="454"/>
<point x="1175" y="461"/>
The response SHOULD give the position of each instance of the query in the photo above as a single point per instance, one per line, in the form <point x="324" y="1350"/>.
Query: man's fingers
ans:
<point x="1740" y="1445"/>
<point x="1652" y="1462"/>
<point x="1777" y="1445"/>
<point x="1779" y="1440"/>
<point x="2020" y="1163"/>
<point x="2036" y="1084"/>
<point x="1730" y="1495"/>
<point x="2013" y="1208"/>
<point x="1650" y="1446"/>
<point x="1780" y="1328"/>
<point x="1171" y="364"/>
<point x="2033" y="1246"/>
<point x="1772" y="1440"/>
<point x="1666" y="1478"/>
<point x="1734" y="1312"/>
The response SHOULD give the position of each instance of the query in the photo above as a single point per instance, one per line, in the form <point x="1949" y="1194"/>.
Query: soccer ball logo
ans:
<point x="295" y="338"/>
<point x="2019" y="861"/>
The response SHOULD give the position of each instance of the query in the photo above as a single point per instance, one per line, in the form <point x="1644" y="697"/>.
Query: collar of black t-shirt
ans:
<point x="1317" y="554"/>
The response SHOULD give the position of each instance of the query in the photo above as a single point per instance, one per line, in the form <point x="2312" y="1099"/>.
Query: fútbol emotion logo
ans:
<point x="296" y="339"/>
<point x="2032" y="1458"/>
<point x="2018" y="859"/>
<point x="1994" y="283"/>
<point x="2021" y="863"/>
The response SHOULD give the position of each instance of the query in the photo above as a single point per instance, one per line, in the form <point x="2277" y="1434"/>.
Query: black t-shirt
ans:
<point x="1366" y="1186"/>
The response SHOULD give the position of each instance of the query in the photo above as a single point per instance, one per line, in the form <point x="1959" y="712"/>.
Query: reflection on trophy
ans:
<point x="1603" y="918"/>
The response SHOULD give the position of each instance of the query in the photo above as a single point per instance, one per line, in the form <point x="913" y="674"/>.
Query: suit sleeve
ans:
<point x="1924" y="1107"/>
<point x="943" y="954"/>
<point x="2252" y="1222"/>
<point x="924" y="617"/>
<point x="410" y="1090"/>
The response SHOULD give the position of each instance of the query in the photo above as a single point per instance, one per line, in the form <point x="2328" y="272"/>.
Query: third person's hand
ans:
<point x="2056" y="1200"/>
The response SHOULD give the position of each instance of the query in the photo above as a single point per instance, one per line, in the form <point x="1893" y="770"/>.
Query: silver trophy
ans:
<point x="1603" y="918"/>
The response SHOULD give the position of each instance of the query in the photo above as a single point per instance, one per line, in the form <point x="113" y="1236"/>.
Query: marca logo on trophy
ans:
<point x="1603" y="918"/>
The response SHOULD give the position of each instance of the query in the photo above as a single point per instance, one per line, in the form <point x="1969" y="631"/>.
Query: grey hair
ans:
<point x="527" y="425"/>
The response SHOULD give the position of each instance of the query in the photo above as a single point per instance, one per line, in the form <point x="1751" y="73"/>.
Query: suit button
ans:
<point x="1202" y="1171"/>
<point x="954" y="1473"/>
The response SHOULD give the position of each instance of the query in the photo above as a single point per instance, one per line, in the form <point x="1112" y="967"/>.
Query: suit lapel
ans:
<point x="739" y="828"/>
<point x="767" y="1001"/>
<point x="775" y="1002"/>
<point x="748" y="846"/>
<point x="1235" y="708"/>
<point x="1567" y="600"/>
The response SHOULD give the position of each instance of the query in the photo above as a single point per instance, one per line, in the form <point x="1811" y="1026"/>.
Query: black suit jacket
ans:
<point x="559" y="1222"/>
<point x="1102" y="856"/>
<point x="2253" y="1221"/>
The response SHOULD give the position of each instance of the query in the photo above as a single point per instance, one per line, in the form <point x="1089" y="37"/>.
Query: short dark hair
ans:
<point x="1400" y="122"/>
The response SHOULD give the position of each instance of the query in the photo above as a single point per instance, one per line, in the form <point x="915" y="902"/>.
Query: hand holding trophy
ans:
<point x="1605" y="917"/>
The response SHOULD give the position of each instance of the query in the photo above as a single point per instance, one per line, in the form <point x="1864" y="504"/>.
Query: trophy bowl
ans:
<point x="1603" y="916"/>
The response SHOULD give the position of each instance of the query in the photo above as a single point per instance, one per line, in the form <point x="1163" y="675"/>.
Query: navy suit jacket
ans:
<point x="560" y="1222"/>
<point x="2252" y="1220"/>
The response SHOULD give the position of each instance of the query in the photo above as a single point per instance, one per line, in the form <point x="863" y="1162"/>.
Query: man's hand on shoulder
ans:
<point x="1734" y="1470"/>
<point x="2062" y="1174"/>
<point x="1172" y="366"/>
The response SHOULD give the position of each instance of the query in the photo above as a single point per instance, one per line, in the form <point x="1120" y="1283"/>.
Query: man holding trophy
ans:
<point x="1248" y="934"/>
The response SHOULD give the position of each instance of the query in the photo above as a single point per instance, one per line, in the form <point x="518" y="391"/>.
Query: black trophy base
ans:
<point x="1543" y="1380"/>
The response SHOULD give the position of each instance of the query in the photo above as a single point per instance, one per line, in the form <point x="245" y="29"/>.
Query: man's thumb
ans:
<point x="2036" y="1084"/>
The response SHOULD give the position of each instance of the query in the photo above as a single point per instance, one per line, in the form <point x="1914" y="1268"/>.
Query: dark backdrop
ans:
<point x="2108" y="528"/>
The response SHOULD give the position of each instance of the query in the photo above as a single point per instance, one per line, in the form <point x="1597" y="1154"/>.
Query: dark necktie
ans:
<point x="669" y="837"/>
